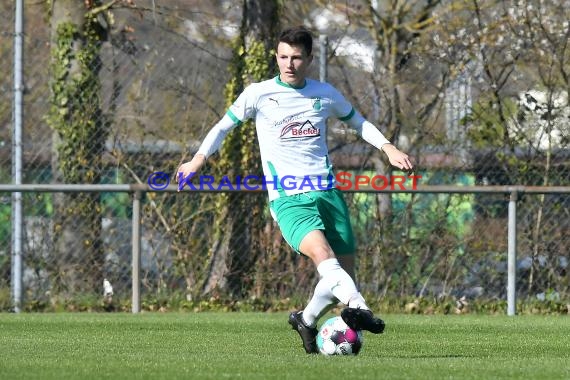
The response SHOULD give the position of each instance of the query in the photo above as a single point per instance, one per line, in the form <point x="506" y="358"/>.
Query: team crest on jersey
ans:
<point x="299" y="129"/>
<point x="316" y="102"/>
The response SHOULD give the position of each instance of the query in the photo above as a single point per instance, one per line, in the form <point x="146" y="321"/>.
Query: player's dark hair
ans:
<point x="299" y="36"/>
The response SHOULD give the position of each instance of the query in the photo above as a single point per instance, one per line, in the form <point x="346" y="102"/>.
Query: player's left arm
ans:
<point x="373" y="136"/>
<point x="397" y="158"/>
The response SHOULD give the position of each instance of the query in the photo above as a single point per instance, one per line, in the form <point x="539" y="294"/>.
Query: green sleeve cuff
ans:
<point x="347" y="117"/>
<point x="233" y="117"/>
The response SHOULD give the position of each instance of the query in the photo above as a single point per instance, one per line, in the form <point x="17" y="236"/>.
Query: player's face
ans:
<point x="293" y="63"/>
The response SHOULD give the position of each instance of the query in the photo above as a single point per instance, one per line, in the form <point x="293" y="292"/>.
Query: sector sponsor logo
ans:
<point x="299" y="129"/>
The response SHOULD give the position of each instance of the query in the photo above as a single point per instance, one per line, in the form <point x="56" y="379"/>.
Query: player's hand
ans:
<point x="398" y="158"/>
<point x="189" y="170"/>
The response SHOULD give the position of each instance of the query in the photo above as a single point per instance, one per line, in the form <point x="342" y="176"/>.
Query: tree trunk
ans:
<point x="78" y="141"/>
<point x="239" y="221"/>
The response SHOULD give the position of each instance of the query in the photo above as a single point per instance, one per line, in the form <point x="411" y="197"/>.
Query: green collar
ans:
<point x="278" y="80"/>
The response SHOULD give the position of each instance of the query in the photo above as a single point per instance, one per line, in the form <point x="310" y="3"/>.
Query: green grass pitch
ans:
<point x="262" y="346"/>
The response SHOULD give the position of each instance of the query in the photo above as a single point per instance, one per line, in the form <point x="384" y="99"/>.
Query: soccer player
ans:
<point x="290" y="113"/>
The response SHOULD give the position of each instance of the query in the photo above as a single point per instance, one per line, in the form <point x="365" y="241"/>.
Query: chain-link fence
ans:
<point x="160" y="88"/>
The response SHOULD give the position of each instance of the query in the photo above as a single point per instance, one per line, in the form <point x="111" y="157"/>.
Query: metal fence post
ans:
<point x="17" y="162"/>
<point x="512" y="254"/>
<point x="136" y="253"/>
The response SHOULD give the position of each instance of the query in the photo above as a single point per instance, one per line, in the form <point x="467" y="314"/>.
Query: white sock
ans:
<point x="320" y="303"/>
<point x="335" y="285"/>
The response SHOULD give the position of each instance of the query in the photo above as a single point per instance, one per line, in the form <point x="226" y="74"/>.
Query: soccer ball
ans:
<point x="336" y="338"/>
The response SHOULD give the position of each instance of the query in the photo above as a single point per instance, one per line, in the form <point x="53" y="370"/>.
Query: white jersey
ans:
<point x="292" y="134"/>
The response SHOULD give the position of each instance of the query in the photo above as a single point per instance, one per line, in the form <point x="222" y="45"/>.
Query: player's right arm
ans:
<point x="209" y="146"/>
<point x="242" y="109"/>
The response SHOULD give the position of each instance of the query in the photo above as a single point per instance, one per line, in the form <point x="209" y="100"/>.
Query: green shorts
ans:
<point x="326" y="210"/>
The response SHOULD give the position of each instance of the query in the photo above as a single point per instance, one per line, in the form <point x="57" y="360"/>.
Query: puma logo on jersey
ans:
<point x="298" y="130"/>
<point x="274" y="100"/>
